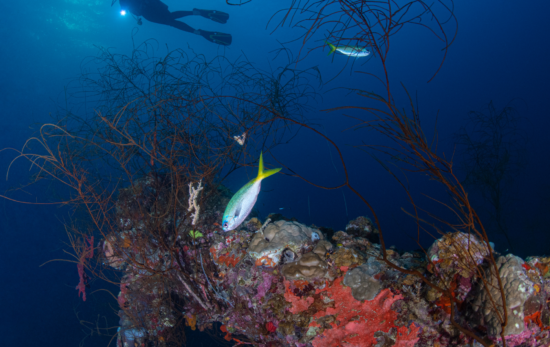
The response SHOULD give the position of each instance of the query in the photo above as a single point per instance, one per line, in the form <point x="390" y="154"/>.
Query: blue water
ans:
<point x="500" y="54"/>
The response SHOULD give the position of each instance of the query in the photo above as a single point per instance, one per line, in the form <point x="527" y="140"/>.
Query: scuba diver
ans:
<point x="157" y="12"/>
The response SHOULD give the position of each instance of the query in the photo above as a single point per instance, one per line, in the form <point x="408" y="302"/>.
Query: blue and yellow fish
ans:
<point x="243" y="201"/>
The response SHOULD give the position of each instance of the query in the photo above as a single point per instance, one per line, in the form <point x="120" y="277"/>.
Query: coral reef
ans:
<point x="288" y="285"/>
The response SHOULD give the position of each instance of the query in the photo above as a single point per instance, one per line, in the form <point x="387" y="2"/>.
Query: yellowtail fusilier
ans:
<point x="243" y="201"/>
<point x="351" y="51"/>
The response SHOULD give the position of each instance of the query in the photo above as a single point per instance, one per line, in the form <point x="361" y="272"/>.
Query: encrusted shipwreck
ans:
<point x="285" y="284"/>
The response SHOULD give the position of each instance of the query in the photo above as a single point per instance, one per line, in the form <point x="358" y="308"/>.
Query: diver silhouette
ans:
<point x="157" y="12"/>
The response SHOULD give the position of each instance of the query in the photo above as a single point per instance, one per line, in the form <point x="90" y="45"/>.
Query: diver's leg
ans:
<point x="212" y="36"/>
<point x="180" y="25"/>
<point x="181" y="14"/>
<point x="160" y="14"/>
<point x="216" y="16"/>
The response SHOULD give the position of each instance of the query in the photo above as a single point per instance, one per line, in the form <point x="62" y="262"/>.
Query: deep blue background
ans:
<point x="501" y="53"/>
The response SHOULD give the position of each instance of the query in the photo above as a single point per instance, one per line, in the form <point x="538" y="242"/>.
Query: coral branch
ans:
<point x="193" y="205"/>
<point x="195" y="296"/>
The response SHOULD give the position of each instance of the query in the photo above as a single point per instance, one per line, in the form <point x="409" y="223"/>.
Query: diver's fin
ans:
<point x="216" y="37"/>
<point x="332" y="47"/>
<point x="263" y="174"/>
<point x="216" y="16"/>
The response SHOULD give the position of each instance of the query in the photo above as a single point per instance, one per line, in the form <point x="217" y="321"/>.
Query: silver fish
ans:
<point x="243" y="201"/>
<point x="351" y="51"/>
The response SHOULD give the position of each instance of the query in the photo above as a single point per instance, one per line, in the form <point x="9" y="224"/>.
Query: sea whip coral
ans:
<point x="88" y="253"/>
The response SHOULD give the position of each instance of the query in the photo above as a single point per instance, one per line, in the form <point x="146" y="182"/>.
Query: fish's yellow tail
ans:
<point x="332" y="47"/>
<point x="263" y="174"/>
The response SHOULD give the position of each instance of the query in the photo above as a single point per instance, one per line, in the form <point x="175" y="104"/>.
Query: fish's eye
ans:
<point x="225" y="225"/>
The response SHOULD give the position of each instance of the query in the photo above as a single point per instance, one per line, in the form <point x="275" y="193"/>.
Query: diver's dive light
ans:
<point x="123" y="12"/>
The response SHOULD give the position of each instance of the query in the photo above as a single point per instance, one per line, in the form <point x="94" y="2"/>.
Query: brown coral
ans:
<point x="278" y="236"/>
<point x="309" y="266"/>
<point x="322" y="248"/>
<point x="347" y="257"/>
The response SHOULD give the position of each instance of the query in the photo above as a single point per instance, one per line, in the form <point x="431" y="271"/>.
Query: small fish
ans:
<point x="243" y="201"/>
<point x="352" y="51"/>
